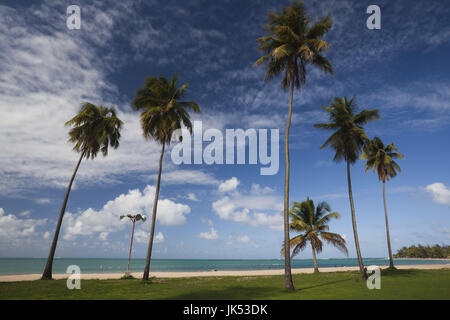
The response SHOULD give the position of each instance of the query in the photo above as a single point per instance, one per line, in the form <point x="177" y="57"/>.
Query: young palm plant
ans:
<point x="162" y="113"/>
<point x="312" y="222"/>
<point x="293" y="42"/>
<point x="381" y="159"/>
<point x="94" y="129"/>
<point x="347" y="141"/>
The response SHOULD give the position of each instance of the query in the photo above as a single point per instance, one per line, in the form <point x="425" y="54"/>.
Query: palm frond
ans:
<point x="291" y="43"/>
<point x="162" y="112"/>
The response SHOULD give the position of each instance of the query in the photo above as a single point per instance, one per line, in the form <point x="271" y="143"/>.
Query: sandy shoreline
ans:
<point x="104" y="276"/>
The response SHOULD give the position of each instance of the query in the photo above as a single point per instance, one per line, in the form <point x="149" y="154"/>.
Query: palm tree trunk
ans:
<point x="131" y="246"/>
<point x="316" y="268"/>
<point x="47" y="274"/>
<point x="391" y="261"/>
<point x="355" y="231"/>
<point x="152" y="230"/>
<point x="288" y="284"/>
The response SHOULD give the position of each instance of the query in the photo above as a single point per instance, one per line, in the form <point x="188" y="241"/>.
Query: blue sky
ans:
<point x="216" y="211"/>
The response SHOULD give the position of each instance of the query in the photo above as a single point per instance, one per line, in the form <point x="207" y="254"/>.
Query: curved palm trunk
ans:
<point x="47" y="274"/>
<point x="288" y="284"/>
<point x="131" y="246"/>
<point x="152" y="230"/>
<point x="391" y="261"/>
<point x="355" y="231"/>
<point x="316" y="268"/>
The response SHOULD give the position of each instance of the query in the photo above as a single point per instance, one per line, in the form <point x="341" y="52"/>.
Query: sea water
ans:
<point x="10" y="266"/>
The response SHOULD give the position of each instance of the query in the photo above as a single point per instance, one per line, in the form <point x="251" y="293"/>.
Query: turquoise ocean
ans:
<point x="9" y="266"/>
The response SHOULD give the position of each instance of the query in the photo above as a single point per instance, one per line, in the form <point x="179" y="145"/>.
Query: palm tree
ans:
<point x="381" y="159"/>
<point x="292" y="43"/>
<point x="162" y="114"/>
<point x="313" y="221"/>
<point x="94" y="129"/>
<point x="133" y="218"/>
<point x="347" y="141"/>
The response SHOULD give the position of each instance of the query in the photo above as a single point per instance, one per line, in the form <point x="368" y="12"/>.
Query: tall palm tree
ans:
<point x="313" y="221"/>
<point x="381" y="159"/>
<point x="162" y="113"/>
<point x="347" y="141"/>
<point x="94" y="129"/>
<point x="292" y="43"/>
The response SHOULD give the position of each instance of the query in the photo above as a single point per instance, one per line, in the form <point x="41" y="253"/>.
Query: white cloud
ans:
<point x="229" y="185"/>
<point x="159" y="238"/>
<point x="257" y="190"/>
<point x="238" y="208"/>
<point x="329" y="196"/>
<point x="25" y="213"/>
<point x="103" y="236"/>
<point x="209" y="235"/>
<point x="42" y="200"/>
<point x="440" y="192"/>
<point x="191" y="196"/>
<point x="142" y="236"/>
<point x="13" y="230"/>
<point x="323" y="163"/>
<point x="274" y="221"/>
<point x="207" y="221"/>
<point x="441" y="229"/>
<point x="226" y="209"/>
<point x="107" y="220"/>
<point x="46" y="235"/>
<point x="197" y="177"/>
<point x="243" y="239"/>
<point x="234" y="239"/>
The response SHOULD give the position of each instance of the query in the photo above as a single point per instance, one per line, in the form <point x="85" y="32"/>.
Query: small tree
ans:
<point x="381" y="159"/>
<point x="312" y="223"/>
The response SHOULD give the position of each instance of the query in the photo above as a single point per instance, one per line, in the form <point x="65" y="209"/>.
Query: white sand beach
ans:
<point x="235" y="273"/>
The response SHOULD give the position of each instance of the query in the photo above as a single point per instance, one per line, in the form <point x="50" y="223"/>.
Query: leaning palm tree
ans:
<point x="94" y="129"/>
<point x="347" y="141"/>
<point x="162" y="113"/>
<point x="381" y="159"/>
<point x="292" y="43"/>
<point x="312" y="222"/>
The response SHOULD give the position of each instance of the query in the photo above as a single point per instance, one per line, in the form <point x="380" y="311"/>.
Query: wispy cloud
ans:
<point x="45" y="73"/>
<point x="441" y="229"/>
<point x="181" y="176"/>
<point x="411" y="106"/>
<point x="209" y="235"/>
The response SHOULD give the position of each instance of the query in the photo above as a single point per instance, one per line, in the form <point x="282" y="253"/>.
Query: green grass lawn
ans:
<point x="399" y="284"/>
